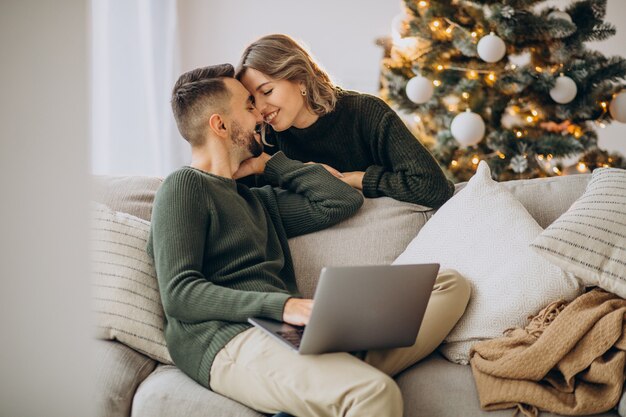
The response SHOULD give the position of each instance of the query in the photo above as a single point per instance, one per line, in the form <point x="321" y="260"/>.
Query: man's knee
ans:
<point x="381" y="394"/>
<point x="456" y="284"/>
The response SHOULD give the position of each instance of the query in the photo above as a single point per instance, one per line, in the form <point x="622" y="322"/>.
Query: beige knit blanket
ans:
<point x="569" y="360"/>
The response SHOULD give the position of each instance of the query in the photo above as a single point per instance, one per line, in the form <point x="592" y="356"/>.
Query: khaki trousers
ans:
<point x="256" y="371"/>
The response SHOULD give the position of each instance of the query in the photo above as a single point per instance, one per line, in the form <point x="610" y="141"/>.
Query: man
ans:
<point x="221" y="256"/>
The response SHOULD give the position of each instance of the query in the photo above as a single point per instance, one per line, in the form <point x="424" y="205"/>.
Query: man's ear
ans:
<point x="218" y="125"/>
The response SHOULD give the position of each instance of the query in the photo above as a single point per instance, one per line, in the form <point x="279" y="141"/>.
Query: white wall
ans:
<point x="44" y="272"/>
<point x="339" y="33"/>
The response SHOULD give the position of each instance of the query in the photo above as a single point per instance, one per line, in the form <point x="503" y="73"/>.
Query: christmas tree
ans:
<point x="509" y="82"/>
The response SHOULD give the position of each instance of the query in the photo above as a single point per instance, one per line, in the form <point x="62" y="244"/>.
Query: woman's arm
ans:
<point x="404" y="169"/>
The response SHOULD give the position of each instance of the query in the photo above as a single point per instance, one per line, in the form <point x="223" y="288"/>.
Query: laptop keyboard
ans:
<point x="293" y="336"/>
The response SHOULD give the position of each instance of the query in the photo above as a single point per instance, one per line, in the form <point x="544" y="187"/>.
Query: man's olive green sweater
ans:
<point x="221" y="253"/>
<point x="365" y="134"/>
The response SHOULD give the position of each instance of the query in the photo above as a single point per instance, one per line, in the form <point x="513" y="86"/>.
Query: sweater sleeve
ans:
<point x="404" y="169"/>
<point x="180" y="221"/>
<point x="309" y="198"/>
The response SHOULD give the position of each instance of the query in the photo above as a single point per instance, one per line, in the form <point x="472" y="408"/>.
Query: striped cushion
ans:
<point x="589" y="239"/>
<point x="125" y="290"/>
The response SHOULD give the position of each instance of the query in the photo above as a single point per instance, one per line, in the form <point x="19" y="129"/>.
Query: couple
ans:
<point x="220" y="248"/>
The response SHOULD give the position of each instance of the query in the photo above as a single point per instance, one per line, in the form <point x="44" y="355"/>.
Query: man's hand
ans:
<point x="354" y="179"/>
<point x="297" y="311"/>
<point x="328" y="168"/>
<point x="252" y="166"/>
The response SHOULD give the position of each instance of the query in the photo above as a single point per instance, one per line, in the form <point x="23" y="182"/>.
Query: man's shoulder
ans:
<point x="184" y="183"/>
<point x="189" y="178"/>
<point x="182" y="174"/>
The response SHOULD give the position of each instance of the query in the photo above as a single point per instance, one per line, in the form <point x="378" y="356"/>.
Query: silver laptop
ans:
<point x="360" y="308"/>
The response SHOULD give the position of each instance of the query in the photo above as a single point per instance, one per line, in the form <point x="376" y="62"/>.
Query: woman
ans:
<point x="356" y="136"/>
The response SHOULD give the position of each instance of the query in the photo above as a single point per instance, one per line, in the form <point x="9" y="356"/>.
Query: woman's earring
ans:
<point x="303" y="92"/>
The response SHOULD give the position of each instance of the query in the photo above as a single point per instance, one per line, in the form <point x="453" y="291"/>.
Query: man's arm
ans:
<point x="308" y="197"/>
<point x="180" y="221"/>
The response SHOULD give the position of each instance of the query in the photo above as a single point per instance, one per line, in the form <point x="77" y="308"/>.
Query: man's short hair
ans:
<point x="196" y="96"/>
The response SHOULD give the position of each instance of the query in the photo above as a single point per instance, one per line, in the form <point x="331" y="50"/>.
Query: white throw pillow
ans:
<point x="125" y="294"/>
<point x="589" y="239"/>
<point x="484" y="233"/>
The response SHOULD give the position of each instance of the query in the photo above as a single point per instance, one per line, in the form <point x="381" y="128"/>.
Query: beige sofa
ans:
<point x="129" y="383"/>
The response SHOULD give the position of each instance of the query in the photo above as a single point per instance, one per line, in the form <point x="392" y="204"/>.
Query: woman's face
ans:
<point x="280" y="102"/>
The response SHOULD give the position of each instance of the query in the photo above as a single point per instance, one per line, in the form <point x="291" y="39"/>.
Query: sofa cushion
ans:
<point x="125" y="294"/>
<point x="169" y="392"/>
<point x="375" y="235"/>
<point x="547" y="198"/>
<point x="589" y="240"/>
<point x="118" y="372"/>
<point x="483" y="232"/>
<point x="438" y="388"/>
<point x="129" y="194"/>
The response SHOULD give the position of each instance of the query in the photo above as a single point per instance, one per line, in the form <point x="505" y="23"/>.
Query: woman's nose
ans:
<point x="259" y="103"/>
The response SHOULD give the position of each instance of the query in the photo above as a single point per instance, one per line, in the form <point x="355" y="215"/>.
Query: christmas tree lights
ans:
<point x="508" y="82"/>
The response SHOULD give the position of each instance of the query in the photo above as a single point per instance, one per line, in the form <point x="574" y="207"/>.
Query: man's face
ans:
<point x="246" y="139"/>
<point x="245" y="119"/>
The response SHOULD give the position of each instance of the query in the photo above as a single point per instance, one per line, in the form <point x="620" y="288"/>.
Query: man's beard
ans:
<point x="246" y="140"/>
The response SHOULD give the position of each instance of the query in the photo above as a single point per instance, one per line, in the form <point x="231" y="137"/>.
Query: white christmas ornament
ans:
<point x="468" y="128"/>
<point x="491" y="48"/>
<point x="617" y="108"/>
<point x="564" y="90"/>
<point x="558" y="14"/>
<point x="419" y="89"/>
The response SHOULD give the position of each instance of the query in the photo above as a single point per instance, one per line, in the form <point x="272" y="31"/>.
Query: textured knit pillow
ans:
<point x="125" y="293"/>
<point x="484" y="233"/>
<point x="589" y="239"/>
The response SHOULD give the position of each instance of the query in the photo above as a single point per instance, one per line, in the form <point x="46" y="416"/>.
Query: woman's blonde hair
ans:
<point x="282" y="58"/>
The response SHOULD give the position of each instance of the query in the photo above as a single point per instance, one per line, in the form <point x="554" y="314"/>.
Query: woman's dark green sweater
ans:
<point x="365" y="134"/>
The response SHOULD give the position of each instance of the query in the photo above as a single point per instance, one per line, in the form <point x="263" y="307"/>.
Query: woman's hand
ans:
<point x="354" y="179"/>
<point x="328" y="168"/>
<point x="297" y="311"/>
<point x="252" y="166"/>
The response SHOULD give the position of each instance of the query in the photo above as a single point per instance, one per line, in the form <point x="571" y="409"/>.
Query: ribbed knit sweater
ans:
<point x="221" y="252"/>
<point x="364" y="134"/>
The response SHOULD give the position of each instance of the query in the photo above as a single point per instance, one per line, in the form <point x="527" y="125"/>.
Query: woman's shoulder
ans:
<point x="362" y="101"/>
